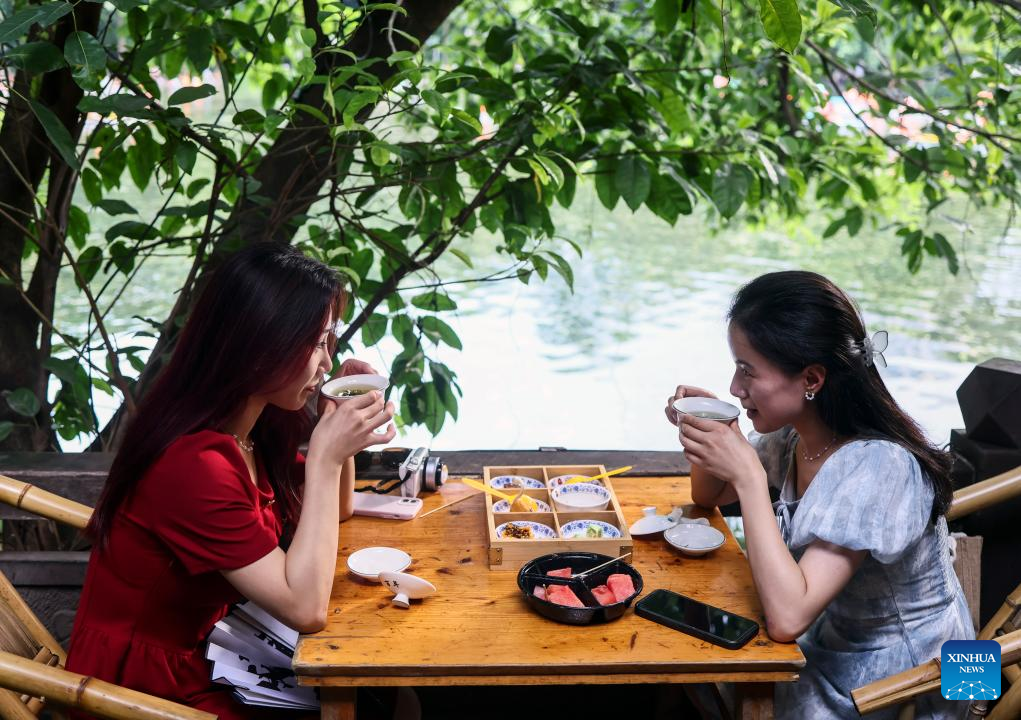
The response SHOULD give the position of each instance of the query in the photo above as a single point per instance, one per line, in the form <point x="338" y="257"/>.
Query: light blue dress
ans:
<point x="902" y="603"/>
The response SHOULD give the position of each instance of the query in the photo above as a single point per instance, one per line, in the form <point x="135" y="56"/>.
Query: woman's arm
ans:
<point x="294" y="586"/>
<point x="793" y="594"/>
<point x="347" y="489"/>
<point x="708" y="490"/>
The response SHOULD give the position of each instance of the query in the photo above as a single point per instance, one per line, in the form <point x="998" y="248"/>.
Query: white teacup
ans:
<point x="349" y="386"/>
<point x="707" y="408"/>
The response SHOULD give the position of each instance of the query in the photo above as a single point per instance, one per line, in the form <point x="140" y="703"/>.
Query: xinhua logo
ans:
<point x="970" y="670"/>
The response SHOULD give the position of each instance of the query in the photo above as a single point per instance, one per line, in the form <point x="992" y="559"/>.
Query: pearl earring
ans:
<point x="810" y="395"/>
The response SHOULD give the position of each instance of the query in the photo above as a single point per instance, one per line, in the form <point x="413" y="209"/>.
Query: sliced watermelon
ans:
<point x="621" y="585"/>
<point x="563" y="595"/>
<point x="539" y="591"/>
<point x="562" y="572"/>
<point x="604" y="595"/>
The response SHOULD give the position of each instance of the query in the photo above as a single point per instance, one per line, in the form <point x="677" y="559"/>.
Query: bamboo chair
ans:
<point x="1004" y="627"/>
<point x="32" y="675"/>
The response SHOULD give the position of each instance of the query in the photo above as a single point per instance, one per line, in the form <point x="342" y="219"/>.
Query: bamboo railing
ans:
<point x="92" y="696"/>
<point x="906" y="685"/>
<point x="990" y="491"/>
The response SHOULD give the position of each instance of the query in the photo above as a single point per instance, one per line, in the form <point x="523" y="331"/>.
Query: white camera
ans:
<point x="421" y="471"/>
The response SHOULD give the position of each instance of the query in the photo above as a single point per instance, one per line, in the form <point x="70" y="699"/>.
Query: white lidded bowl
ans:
<point x="368" y="382"/>
<point x="580" y="497"/>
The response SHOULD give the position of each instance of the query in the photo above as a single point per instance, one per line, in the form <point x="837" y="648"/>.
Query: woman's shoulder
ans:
<point x="198" y="457"/>
<point x="877" y="466"/>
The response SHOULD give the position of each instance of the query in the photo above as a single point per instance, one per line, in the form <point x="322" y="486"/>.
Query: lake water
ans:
<point x="592" y="369"/>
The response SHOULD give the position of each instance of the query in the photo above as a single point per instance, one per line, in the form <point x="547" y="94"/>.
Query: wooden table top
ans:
<point x="478" y="629"/>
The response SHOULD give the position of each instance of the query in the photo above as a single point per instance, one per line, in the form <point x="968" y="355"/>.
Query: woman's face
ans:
<point x="772" y="398"/>
<point x="294" y="394"/>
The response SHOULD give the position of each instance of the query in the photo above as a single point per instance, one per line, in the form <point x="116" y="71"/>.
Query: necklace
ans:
<point x="246" y="445"/>
<point x="804" y="454"/>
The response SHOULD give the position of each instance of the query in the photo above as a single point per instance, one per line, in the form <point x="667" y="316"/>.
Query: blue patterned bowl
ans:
<point x="538" y="530"/>
<point x="502" y="506"/>
<point x="516" y="482"/>
<point x="580" y="497"/>
<point x="596" y="529"/>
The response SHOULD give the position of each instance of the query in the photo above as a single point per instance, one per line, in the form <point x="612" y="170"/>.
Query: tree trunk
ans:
<point x="26" y="154"/>
<point x="292" y="171"/>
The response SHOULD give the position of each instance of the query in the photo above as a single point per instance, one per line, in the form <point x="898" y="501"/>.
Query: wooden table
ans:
<point x="452" y="639"/>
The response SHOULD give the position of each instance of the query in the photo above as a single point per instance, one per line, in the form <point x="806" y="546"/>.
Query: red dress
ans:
<point x="151" y="598"/>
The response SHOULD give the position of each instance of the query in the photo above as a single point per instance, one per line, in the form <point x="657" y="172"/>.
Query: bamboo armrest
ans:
<point x="43" y="503"/>
<point x="981" y="495"/>
<point x="88" y="694"/>
<point x="905" y="685"/>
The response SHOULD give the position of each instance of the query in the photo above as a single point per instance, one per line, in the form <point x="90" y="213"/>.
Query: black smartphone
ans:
<point x="696" y="618"/>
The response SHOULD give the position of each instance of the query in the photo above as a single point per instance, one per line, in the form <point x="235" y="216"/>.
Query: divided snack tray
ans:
<point x="511" y="553"/>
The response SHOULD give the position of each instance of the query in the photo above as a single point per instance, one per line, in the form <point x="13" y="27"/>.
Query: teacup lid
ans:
<point x="651" y="523"/>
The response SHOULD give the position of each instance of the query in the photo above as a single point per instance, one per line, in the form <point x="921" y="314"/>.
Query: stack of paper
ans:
<point x="251" y="651"/>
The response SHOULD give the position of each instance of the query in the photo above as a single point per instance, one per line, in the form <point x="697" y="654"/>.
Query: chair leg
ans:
<point x="1009" y="705"/>
<point x="906" y="712"/>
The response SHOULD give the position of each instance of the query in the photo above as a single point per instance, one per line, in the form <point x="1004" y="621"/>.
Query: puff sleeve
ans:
<point x="871" y="495"/>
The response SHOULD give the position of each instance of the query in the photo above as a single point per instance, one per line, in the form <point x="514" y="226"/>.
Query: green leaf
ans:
<point x="128" y="5"/>
<point x="116" y="207"/>
<point x="185" y="153"/>
<point x="6" y="427"/>
<point x="433" y="300"/>
<point x="782" y="22"/>
<point x="606" y="184"/>
<point x="18" y="24"/>
<point x="85" y="54"/>
<point x="380" y="155"/>
<point x="373" y="329"/>
<point x="199" y="45"/>
<point x="665" y="14"/>
<point x="78" y="226"/>
<point x="437" y="102"/>
<point x="500" y="44"/>
<point x="56" y="132"/>
<point x="858" y="8"/>
<point x="123" y="257"/>
<point x="730" y="188"/>
<point x="123" y="104"/>
<point x="437" y="331"/>
<point x="461" y="255"/>
<point x="23" y="401"/>
<point x="633" y="181"/>
<point x="853" y="220"/>
<point x="191" y="94"/>
<point x="37" y="57"/>
<point x="92" y="185"/>
<point x="89" y="262"/>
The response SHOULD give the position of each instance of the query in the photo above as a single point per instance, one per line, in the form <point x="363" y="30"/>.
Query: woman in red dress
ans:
<point x="208" y="480"/>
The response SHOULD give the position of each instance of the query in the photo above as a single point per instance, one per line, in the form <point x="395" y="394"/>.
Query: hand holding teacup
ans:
<point x="346" y="428"/>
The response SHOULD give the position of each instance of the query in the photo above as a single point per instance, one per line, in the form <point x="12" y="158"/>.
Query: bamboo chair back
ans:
<point x="43" y="503"/>
<point x="1005" y="623"/>
<point x="22" y="634"/>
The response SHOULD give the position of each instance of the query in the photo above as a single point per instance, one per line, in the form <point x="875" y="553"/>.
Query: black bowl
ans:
<point x="578" y="562"/>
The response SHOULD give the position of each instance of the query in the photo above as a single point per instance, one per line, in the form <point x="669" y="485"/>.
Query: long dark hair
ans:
<point x="796" y="319"/>
<point x="254" y="327"/>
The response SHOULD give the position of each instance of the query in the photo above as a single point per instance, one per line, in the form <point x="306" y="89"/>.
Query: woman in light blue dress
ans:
<point x="853" y="561"/>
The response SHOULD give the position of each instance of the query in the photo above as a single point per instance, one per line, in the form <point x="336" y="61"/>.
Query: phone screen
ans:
<point x="697" y="615"/>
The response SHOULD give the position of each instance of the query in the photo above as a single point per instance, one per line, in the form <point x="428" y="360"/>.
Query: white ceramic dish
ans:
<point x="652" y="524"/>
<point x="516" y="482"/>
<point x="502" y="506"/>
<point x="369" y="562"/>
<point x="580" y="529"/>
<point x="707" y="408"/>
<point x="580" y="497"/>
<point x="539" y="531"/>
<point x="373" y="382"/>
<point x="694" y="539"/>
<point x="406" y="587"/>
<point x="559" y="480"/>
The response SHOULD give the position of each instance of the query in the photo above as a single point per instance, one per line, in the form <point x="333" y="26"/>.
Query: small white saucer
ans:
<point x="369" y="562"/>
<point x="650" y="523"/>
<point x="694" y="539"/>
<point x="406" y="587"/>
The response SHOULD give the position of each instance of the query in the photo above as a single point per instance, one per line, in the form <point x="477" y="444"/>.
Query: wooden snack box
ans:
<point x="512" y="553"/>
